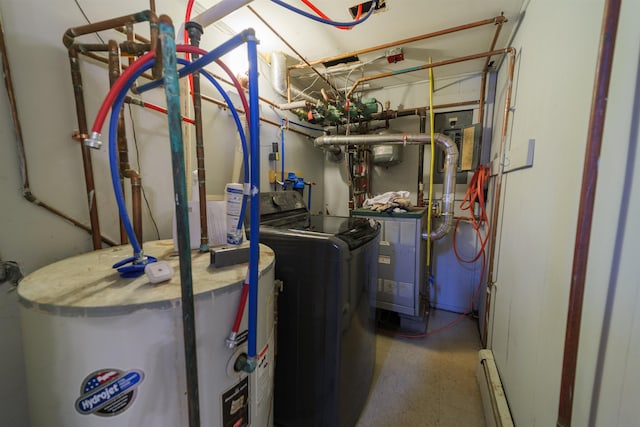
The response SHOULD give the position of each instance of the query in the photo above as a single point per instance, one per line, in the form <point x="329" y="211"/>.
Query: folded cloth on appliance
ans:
<point x="389" y="201"/>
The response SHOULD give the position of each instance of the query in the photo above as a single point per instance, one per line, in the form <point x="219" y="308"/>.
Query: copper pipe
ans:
<point x="585" y="210"/>
<point x="195" y="32"/>
<point x="400" y="42"/>
<point x="24" y="169"/>
<point x="423" y="127"/>
<point x="425" y="67"/>
<point x="81" y="114"/>
<point x="497" y="190"/>
<point x="123" y="153"/>
<point x="483" y="84"/>
<point x="262" y="119"/>
<point x="106" y="61"/>
<point x="391" y="114"/>
<point x="146" y="15"/>
<point x="293" y="50"/>
<point x="124" y="30"/>
<point x="136" y="201"/>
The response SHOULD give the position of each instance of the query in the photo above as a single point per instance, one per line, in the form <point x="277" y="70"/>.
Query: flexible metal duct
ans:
<point x="279" y="79"/>
<point x="450" y="164"/>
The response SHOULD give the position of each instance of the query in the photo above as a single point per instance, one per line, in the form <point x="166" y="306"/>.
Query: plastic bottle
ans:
<point x="233" y="196"/>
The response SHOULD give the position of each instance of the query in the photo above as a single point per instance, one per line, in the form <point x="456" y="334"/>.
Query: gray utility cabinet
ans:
<point x="401" y="260"/>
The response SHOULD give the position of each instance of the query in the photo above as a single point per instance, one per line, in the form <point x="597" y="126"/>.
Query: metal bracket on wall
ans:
<point x="520" y="157"/>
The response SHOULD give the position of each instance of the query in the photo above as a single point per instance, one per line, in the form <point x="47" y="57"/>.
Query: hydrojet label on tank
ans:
<point x="108" y="392"/>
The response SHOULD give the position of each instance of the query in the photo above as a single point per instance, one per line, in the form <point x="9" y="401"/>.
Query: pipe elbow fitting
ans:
<point x="94" y="141"/>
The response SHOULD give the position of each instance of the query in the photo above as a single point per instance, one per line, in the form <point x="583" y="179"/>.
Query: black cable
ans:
<point x="144" y="193"/>
<point x="87" y="18"/>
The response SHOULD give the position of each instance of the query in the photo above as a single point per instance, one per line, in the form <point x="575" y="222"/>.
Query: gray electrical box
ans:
<point x="458" y="126"/>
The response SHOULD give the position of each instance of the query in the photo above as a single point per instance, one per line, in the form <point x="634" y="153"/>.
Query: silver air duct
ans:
<point x="450" y="164"/>
<point x="279" y="79"/>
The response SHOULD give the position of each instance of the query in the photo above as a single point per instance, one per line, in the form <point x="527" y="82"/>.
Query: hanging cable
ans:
<point x="144" y="192"/>
<point x="88" y="21"/>
<point x="326" y="20"/>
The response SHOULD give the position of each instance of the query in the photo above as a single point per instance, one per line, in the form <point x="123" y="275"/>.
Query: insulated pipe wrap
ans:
<point x="450" y="164"/>
<point x="279" y="79"/>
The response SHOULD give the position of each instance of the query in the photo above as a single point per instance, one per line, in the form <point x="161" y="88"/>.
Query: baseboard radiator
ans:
<point x="494" y="402"/>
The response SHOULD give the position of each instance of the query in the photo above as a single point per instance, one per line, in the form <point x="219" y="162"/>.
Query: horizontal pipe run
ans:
<point x="401" y="42"/>
<point x="426" y="67"/>
<point x="146" y="15"/>
<point x="394" y="114"/>
<point x="450" y="164"/>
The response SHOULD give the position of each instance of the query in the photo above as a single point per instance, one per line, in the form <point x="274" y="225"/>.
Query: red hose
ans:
<point x="323" y="16"/>
<point x="119" y="83"/>
<point x="163" y="110"/>
<point x="240" y="312"/>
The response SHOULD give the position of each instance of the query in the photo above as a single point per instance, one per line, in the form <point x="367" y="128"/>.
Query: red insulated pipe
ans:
<point x="163" y="110"/>
<point x="240" y="312"/>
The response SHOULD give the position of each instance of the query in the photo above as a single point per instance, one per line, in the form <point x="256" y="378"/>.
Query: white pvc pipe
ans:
<point x="219" y="11"/>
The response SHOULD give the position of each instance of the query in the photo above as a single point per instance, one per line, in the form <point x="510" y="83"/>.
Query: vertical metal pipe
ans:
<point x="195" y="32"/>
<point x="123" y="155"/>
<point x="423" y="129"/>
<point x="585" y="210"/>
<point x="24" y="170"/>
<point x="172" y="92"/>
<point x="497" y="192"/>
<point x="136" y="202"/>
<point x="485" y="69"/>
<point x="81" y="113"/>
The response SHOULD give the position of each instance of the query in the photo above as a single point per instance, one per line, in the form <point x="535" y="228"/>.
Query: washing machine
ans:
<point x="325" y="350"/>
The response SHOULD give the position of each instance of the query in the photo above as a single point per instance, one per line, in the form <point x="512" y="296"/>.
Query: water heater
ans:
<point x="102" y="350"/>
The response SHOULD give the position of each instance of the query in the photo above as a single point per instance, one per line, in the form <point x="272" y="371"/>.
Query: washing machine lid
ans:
<point x="353" y="231"/>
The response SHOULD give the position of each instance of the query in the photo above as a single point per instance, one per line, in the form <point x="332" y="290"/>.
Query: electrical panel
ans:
<point x="458" y="126"/>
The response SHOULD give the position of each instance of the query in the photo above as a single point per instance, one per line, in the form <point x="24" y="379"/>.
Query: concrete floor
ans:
<point x="427" y="381"/>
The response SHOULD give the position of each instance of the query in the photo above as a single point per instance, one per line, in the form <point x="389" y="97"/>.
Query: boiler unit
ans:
<point x="102" y="350"/>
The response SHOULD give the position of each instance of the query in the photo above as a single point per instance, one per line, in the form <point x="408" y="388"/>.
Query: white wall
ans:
<point x="32" y="236"/>
<point x="553" y="87"/>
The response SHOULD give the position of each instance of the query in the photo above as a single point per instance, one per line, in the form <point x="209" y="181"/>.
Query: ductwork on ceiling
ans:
<point x="279" y="83"/>
<point x="450" y="164"/>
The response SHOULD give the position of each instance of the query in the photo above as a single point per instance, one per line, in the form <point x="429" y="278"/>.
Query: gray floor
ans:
<point x="428" y="381"/>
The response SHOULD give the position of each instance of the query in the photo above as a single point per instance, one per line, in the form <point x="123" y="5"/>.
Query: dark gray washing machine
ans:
<point x="325" y="352"/>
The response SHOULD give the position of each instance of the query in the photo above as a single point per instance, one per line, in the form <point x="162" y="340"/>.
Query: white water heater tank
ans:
<point x="102" y="350"/>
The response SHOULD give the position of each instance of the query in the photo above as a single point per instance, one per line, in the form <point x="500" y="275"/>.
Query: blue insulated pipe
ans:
<point x="282" y="149"/>
<point x="254" y="234"/>
<point x="204" y="60"/>
<point x="172" y="92"/>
